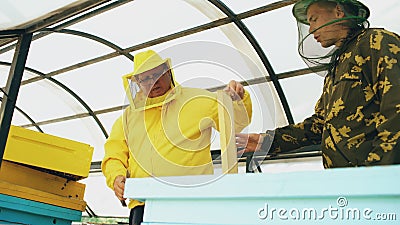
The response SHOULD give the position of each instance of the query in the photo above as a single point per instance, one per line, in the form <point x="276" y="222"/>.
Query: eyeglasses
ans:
<point x="150" y="79"/>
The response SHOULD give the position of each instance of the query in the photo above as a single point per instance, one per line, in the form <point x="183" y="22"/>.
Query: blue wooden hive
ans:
<point x="335" y="196"/>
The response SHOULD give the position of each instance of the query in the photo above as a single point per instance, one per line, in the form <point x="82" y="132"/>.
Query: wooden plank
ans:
<point x="27" y="177"/>
<point x="41" y="196"/>
<point x="227" y="133"/>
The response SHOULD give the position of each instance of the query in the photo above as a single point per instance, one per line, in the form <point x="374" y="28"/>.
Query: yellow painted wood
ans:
<point x="27" y="177"/>
<point x="41" y="196"/>
<point x="227" y="133"/>
<point x="48" y="151"/>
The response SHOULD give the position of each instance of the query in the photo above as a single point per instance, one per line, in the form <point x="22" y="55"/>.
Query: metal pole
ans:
<point x="253" y="41"/>
<point x="12" y="88"/>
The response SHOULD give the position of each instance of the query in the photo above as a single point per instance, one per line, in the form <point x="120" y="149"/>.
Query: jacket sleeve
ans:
<point x="382" y="66"/>
<point x="243" y="112"/>
<point x="293" y="136"/>
<point x="115" y="161"/>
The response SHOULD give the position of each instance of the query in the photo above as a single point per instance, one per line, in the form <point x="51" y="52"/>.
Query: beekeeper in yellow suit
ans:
<point x="166" y="130"/>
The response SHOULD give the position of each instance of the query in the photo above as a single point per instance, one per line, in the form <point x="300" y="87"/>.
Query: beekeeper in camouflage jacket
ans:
<point x="357" y="118"/>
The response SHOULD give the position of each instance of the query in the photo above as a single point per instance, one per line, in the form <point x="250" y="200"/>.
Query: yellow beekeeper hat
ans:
<point x="144" y="61"/>
<point x="147" y="60"/>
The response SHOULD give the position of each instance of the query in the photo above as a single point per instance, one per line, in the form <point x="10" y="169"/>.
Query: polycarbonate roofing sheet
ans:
<point x="143" y="24"/>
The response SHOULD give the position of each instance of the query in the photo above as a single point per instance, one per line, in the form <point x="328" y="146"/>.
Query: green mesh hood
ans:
<point x="359" y="10"/>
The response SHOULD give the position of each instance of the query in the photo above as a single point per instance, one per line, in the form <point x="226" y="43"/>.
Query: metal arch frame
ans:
<point x="12" y="89"/>
<point x="243" y="28"/>
<point x="86" y="106"/>
<point x="88" y="209"/>
<point x="166" y="38"/>
<point x="68" y="23"/>
<point x="231" y="18"/>
<point x="32" y="26"/>
<point x="91" y="37"/>
<point x="18" y="65"/>
<point x="19" y="109"/>
<point x="119" y="50"/>
<point x="80" y="100"/>
<point x="28" y="117"/>
<point x="25" y="37"/>
<point x="83" y="103"/>
<point x="24" y="113"/>
<point x="159" y="40"/>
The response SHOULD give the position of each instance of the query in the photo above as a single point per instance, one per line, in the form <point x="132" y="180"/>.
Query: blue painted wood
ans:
<point x="367" y="195"/>
<point x="22" y="211"/>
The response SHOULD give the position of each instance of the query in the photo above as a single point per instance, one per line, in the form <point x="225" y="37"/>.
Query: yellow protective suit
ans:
<point x="167" y="135"/>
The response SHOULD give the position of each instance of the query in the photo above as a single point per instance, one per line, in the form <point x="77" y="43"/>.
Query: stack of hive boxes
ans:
<point x="39" y="178"/>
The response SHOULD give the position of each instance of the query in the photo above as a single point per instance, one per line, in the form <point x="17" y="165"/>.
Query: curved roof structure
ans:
<point x="63" y="61"/>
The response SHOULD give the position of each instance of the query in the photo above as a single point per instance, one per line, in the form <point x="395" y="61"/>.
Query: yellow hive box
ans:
<point x="18" y="174"/>
<point x="24" y="182"/>
<point x="41" y="196"/>
<point x="49" y="152"/>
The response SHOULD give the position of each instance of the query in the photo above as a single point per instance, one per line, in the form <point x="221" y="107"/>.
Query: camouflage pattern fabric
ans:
<point x="357" y="118"/>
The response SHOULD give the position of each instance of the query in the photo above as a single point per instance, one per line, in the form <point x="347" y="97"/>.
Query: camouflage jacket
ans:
<point x="357" y="118"/>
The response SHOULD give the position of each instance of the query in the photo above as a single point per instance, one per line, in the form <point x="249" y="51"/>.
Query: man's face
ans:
<point x="317" y="16"/>
<point x="155" y="82"/>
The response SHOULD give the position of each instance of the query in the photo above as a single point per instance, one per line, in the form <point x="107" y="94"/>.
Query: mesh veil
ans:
<point x="320" y="59"/>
